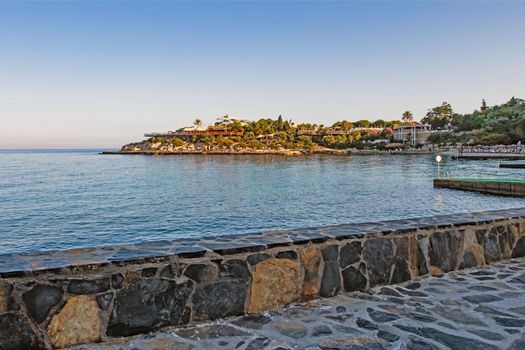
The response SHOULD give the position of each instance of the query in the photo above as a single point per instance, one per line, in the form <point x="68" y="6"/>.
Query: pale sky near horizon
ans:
<point x="100" y="74"/>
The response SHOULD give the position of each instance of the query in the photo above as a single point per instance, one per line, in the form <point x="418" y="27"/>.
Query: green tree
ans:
<point x="440" y="116"/>
<point x="355" y="136"/>
<point x="208" y="139"/>
<point x="236" y="126"/>
<point x="306" y="142"/>
<point x="380" y="123"/>
<point x="363" y="123"/>
<point x="279" y="125"/>
<point x="346" y="126"/>
<point x="483" y="107"/>
<point x="177" y="142"/>
<point x="329" y="140"/>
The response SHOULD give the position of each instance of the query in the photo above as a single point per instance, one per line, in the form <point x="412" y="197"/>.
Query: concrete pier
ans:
<point x="484" y="156"/>
<point x="512" y="165"/>
<point x="515" y="188"/>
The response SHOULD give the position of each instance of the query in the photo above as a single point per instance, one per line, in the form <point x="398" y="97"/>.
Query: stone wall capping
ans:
<point x="13" y="274"/>
<point x="85" y="259"/>
<point x="228" y="248"/>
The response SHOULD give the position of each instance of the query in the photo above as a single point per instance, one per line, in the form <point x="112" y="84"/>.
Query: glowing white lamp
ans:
<point x="438" y="160"/>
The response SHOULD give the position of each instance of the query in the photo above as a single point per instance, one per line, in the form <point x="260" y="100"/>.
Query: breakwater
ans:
<point x="513" y="188"/>
<point x="289" y="152"/>
<point x="512" y="165"/>
<point x="485" y="156"/>
<point x="62" y="298"/>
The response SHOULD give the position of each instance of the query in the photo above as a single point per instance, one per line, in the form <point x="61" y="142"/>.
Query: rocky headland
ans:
<point x="169" y="147"/>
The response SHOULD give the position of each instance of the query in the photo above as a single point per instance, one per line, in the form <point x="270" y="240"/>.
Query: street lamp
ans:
<point x="438" y="160"/>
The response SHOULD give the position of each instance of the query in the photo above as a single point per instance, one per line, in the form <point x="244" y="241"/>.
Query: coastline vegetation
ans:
<point x="278" y="135"/>
<point x="500" y="124"/>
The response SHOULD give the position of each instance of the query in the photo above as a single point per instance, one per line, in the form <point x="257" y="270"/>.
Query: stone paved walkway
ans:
<point x="481" y="308"/>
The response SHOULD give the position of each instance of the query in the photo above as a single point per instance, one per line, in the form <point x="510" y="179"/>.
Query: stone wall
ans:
<point x="58" y="299"/>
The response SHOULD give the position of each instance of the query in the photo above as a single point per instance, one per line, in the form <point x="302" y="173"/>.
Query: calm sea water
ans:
<point x="64" y="199"/>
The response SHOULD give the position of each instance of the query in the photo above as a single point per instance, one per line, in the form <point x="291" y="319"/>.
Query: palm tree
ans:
<point x="197" y="122"/>
<point x="407" y="116"/>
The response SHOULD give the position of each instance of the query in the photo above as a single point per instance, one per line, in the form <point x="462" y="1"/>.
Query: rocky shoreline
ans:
<point x="281" y="152"/>
<point x="170" y="147"/>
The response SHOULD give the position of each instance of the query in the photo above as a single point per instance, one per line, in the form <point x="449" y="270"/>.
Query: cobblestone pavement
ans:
<point x="481" y="308"/>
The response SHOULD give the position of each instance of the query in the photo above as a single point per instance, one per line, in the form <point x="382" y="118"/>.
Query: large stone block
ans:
<point x="220" y="299"/>
<point x="473" y="254"/>
<point x="444" y="250"/>
<point x="311" y="260"/>
<point x="5" y="290"/>
<point x="413" y="248"/>
<point x="401" y="271"/>
<point x="16" y="334"/>
<point x="378" y="255"/>
<point x="40" y="299"/>
<point x="289" y="254"/>
<point x="422" y="255"/>
<point x="275" y="282"/>
<point x="350" y="254"/>
<point x="331" y="280"/>
<point x="88" y="286"/>
<point x="353" y="279"/>
<point x="7" y="302"/>
<point x="116" y="280"/>
<point x="147" y="305"/>
<point x="77" y="323"/>
<point x="202" y="273"/>
<point x="519" y="248"/>
<point x="254" y="259"/>
<point x="506" y="241"/>
<point x="491" y="247"/>
<point x="402" y="247"/>
<point x="330" y="253"/>
<point x="234" y="268"/>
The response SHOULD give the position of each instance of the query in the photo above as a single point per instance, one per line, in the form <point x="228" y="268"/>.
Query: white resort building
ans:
<point x="412" y="133"/>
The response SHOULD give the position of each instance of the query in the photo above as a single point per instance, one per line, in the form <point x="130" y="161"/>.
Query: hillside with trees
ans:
<point x="499" y="124"/>
<point x="490" y="125"/>
<point x="272" y="135"/>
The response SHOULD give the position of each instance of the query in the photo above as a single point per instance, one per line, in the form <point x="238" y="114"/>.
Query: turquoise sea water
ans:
<point x="78" y="198"/>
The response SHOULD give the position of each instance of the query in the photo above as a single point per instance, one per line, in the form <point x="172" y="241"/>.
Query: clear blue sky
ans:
<point x="88" y="74"/>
